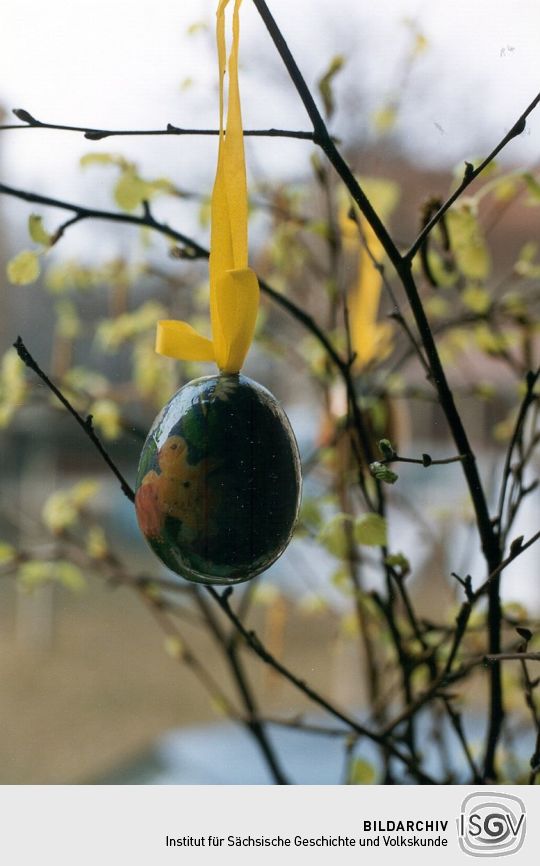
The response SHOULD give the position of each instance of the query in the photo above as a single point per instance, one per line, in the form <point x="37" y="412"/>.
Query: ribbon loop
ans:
<point x="179" y="340"/>
<point x="234" y="290"/>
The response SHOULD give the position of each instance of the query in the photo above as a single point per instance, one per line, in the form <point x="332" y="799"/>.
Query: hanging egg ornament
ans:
<point x="218" y="485"/>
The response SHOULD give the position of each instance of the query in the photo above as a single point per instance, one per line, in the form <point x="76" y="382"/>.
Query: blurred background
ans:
<point x="90" y="691"/>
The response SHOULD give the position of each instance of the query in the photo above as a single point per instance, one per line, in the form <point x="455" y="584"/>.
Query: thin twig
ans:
<point x="84" y="423"/>
<point x="517" y="656"/>
<point x="528" y="399"/>
<point x="471" y="174"/>
<point x="254" y="723"/>
<point x="502" y="565"/>
<point x="426" y="461"/>
<point x="96" y="134"/>
<point x="456" y="722"/>
<point x="255" y="644"/>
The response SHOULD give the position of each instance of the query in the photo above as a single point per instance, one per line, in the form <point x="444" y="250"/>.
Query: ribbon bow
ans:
<point x="234" y="290"/>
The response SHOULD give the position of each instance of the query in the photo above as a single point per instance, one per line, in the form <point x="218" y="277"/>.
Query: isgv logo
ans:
<point x="491" y="824"/>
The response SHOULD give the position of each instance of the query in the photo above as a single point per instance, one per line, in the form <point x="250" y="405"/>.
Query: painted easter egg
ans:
<point x="218" y="484"/>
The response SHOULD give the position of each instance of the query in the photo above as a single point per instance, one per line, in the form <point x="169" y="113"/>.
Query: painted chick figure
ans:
<point x="179" y="490"/>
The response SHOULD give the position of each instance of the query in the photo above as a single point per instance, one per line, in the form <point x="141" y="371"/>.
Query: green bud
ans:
<point x="387" y="449"/>
<point x="383" y="473"/>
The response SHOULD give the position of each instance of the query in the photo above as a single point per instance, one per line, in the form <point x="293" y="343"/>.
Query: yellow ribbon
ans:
<point x="234" y="290"/>
<point x="371" y="339"/>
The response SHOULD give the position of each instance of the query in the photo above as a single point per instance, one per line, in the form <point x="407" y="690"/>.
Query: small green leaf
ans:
<point x="443" y="276"/>
<point x="205" y="212"/>
<point x="266" y="594"/>
<point x="310" y="512"/>
<point x="326" y="81"/>
<point x="384" y="119"/>
<point x="395" y="384"/>
<point x="399" y="561"/>
<point x="68" y="324"/>
<point x="197" y="27"/>
<point x="516" y="610"/>
<point x="106" y="418"/>
<point x="371" y="529"/>
<point x="515" y="305"/>
<point x="533" y="187"/>
<point x="320" y="228"/>
<point x="220" y="707"/>
<point x="341" y="579"/>
<point x="476" y="299"/>
<point x="485" y="390"/>
<point x="421" y="44"/>
<point x="59" y="512"/>
<point x="528" y="251"/>
<point x="83" y="491"/>
<point x="383" y="473"/>
<point x="84" y="379"/>
<point x="311" y="604"/>
<point x="70" y="576"/>
<point x="361" y="772"/>
<point x="161" y="185"/>
<point x="333" y="535"/>
<point x="31" y="575"/>
<point x="103" y="159"/>
<point x="489" y="341"/>
<point x="62" y="508"/>
<point x="506" y="187"/>
<point x="111" y="333"/>
<point x="37" y="232"/>
<point x="7" y="553"/>
<point x="502" y="431"/>
<point x="319" y="168"/>
<point x="349" y="626"/>
<point x="384" y="194"/>
<point x="467" y="242"/>
<point x="13" y="386"/>
<point x="130" y="190"/>
<point x="34" y="574"/>
<point x="436" y="306"/>
<point x="173" y="647"/>
<point x="24" y="268"/>
<point x="96" y="543"/>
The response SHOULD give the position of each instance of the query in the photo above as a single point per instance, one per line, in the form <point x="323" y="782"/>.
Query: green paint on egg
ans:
<point x="218" y="485"/>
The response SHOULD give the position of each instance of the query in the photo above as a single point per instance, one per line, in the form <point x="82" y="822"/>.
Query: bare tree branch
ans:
<point x="96" y="134"/>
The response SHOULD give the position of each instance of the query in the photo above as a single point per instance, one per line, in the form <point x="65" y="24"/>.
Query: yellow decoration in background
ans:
<point x="234" y="290"/>
<point x="371" y="340"/>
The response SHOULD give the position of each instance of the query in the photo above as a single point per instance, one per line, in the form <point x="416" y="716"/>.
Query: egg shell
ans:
<point x="219" y="484"/>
